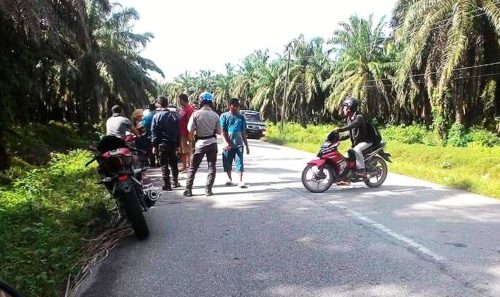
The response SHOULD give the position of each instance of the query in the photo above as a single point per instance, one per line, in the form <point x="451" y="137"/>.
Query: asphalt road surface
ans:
<point x="406" y="238"/>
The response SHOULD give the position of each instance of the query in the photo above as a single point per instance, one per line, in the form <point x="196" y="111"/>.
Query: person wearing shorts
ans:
<point x="234" y="134"/>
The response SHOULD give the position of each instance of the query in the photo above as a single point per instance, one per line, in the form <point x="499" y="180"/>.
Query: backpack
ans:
<point x="373" y="133"/>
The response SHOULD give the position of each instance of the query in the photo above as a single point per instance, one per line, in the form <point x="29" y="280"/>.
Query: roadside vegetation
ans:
<point x="49" y="207"/>
<point x="470" y="162"/>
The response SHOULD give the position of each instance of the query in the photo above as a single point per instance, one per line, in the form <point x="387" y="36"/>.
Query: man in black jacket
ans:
<point x="166" y="139"/>
<point x="356" y="125"/>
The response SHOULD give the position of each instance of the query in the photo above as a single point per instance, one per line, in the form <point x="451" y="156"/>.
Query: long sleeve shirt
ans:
<point x="356" y="125"/>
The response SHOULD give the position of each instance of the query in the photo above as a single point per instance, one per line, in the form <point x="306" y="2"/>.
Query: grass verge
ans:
<point x="49" y="206"/>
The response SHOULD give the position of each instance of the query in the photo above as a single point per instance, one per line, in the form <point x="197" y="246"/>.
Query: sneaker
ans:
<point x="208" y="192"/>
<point x="176" y="185"/>
<point x="229" y="182"/>
<point x="166" y="188"/>
<point x="188" y="193"/>
<point x="242" y="185"/>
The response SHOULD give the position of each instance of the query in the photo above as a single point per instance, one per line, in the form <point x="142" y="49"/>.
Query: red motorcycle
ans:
<point x="332" y="166"/>
<point x="124" y="178"/>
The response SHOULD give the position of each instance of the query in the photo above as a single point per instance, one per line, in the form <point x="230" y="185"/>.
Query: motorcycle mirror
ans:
<point x="8" y="291"/>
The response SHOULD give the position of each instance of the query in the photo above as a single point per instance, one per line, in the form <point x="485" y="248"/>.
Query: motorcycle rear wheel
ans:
<point x="134" y="213"/>
<point x="376" y="170"/>
<point x="322" y="178"/>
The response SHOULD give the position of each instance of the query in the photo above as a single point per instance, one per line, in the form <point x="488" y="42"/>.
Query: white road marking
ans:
<point x="417" y="246"/>
<point x="422" y="249"/>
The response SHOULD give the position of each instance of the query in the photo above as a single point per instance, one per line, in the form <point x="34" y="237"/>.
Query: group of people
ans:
<point x="188" y="135"/>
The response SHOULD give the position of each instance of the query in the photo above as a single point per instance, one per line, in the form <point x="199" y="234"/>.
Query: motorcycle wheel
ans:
<point x="316" y="180"/>
<point x="135" y="215"/>
<point x="376" y="170"/>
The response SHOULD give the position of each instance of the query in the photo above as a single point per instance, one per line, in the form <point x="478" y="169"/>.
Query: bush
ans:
<point x="480" y="137"/>
<point x="457" y="136"/>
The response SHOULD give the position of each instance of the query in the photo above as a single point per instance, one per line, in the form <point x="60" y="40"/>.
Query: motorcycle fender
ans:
<point x="385" y="156"/>
<point x="318" y="162"/>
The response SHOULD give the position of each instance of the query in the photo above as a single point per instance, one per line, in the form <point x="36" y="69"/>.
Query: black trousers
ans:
<point x="168" y="157"/>
<point x="211" y="152"/>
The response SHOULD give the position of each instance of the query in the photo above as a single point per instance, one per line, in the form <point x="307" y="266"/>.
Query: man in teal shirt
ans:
<point x="234" y="134"/>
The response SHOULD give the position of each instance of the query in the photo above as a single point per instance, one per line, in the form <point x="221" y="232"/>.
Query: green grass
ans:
<point x="49" y="205"/>
<point x="475" y="168"/>
<point x="44" y="218"/>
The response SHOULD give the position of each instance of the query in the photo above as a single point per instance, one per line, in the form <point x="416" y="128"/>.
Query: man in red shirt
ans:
<point x="185" y="148"/>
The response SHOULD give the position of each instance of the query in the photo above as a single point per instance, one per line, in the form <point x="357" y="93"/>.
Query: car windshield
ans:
<point x="252" y="117"/>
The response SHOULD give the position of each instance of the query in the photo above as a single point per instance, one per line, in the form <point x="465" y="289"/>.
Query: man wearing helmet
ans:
<point x="204" y="125"/>
<point x="356" y="125"/>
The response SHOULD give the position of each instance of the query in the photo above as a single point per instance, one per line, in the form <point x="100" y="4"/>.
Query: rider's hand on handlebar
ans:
<point x="332" y="134"/>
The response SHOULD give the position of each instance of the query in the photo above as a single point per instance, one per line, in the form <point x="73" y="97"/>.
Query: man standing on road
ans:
<point x="147" y="121"/>
<point x="166" y="139"/>
<point x="117" y="124"/>
<point x="234" y="133"/>
<point x="186" y="140"/>
<point x="204" y="124"/>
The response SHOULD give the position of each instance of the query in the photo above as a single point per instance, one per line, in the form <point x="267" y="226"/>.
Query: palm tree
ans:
<point x="123" y="73"/>
<point x="244" y="82"/>
<point x="308" y="70"/>
<point x="269" y="89"/>
<point x="223" y="84"/>
<point x="362" y="68"/>
<point x="450" y="55"/>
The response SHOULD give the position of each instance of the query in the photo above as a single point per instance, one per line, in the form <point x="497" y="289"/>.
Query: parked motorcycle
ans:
<point x="331" y="166"/>
<point x="125" y="180"/>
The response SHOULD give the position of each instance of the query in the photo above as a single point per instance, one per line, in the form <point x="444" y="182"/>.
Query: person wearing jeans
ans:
<point x="234" y="133"/>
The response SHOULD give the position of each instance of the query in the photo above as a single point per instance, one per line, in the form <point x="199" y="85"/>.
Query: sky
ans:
<point x="193" y="35"/>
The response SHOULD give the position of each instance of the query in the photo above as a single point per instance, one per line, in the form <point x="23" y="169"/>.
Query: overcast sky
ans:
<point x="205" y="34"/>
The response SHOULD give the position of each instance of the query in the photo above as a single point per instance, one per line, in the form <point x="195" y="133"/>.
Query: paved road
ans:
<point x="407" y="238"/>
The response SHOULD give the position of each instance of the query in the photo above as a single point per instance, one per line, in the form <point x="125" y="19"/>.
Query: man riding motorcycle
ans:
<point x="356" y="125"/>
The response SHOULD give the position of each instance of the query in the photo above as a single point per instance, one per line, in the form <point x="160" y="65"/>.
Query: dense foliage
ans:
<point x="69" y="60"/>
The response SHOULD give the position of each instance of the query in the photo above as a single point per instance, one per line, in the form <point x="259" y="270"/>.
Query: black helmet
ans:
<point x="351" y="103"/>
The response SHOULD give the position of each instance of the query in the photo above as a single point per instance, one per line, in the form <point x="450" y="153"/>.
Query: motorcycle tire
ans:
<point x="325" y="187"/>
<point x="135" y="216"/>
<point x="376" y="165"/>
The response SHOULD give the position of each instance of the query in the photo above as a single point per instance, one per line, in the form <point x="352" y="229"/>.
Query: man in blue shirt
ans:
<point x="146" y="123"/>
<point x="234" y="134"/>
